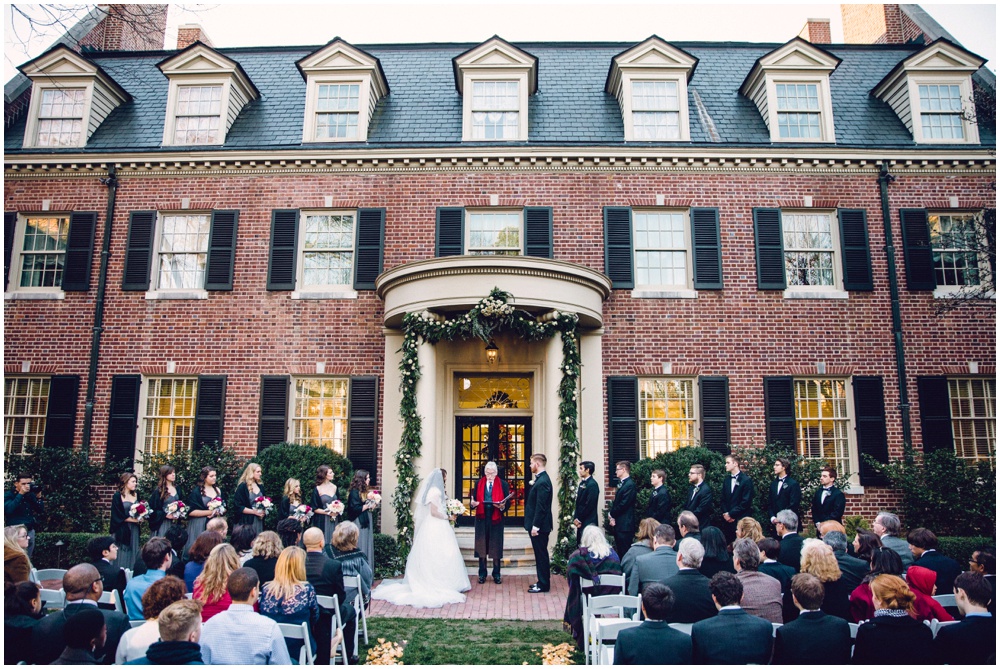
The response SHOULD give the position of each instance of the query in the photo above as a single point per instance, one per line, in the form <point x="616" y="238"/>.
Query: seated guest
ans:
<point x="156" y="555"/>
<point x="884" y="561"/>
<point x="852" y="569"/>
<point x="748" y="528"/>
<point x="787" y="527"/>
<point x="643" y="545"/>
<point x="887" y="527"/>
<point x="654" y="641"/>
<point x="159" y="596"/>
<point x="818" y="560"/>
<point x="974" y="639"/>
<point x="210" y="586"/>
<point x="327" y="577"/>
<point x="219" y="525"/>
<point x="921" y="582"/>
<point x="197" y="554"/>
<point x="893" y="635"/>
<point x="243" y="536"/>
<point x="16" y="563"/>
<point x="865" y="543"/>
<point x="180" y="631"/>
<point x="813" y="637"/>
<point x="733" y="636"/>
<point x="688" y="525"/>
<point x="177" y="536"/>
<point x="984" y="563"/>
<point x="592" y="560"/>
<point x="102" y="552"/>
<point x="923" y="545"/>
<point x="716" y="558"/>
<point x="290" y="531"/>
<point x="266" y="549"/>
<point x="353" y="561"/>
<point x="22" y="609"/>
<point x="83" y="633"/>
<point x="659" y="565"/>
<point x="770" y="549"/>
<point x="827" y="526"/>
<point x="239" y="635"/>
<point x="289" y="598"/>
<point x="692" y="597"/>
<point x="761" y="593"/>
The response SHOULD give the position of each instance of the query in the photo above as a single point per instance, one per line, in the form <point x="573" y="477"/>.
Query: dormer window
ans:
<point x="197" y="117"/>
<point x="798" y="111"/>
<point x="337" y="111"/>
<point x="655" y="110"/>
<point x="60" y="117"/>
<point x="941" y="111"/>
<point x="495" y="80"/>
<point x="496" y="109"/>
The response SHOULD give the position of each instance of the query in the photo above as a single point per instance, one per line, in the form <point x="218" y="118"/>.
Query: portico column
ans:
<point x="392" y="426"/>
<point x="427" y="409"/>
<point x="590" y="430"/>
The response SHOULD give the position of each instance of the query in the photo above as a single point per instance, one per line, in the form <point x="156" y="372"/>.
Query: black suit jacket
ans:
<point x="114" y="579"/>
<point x="325" y="575"/>
<point x="782" y="572"/>
<point x="701" y="505"/>
<point x="659" y="505"/>
<point x="971" y="641"/>
<point x="811" y="637"/>
<point x="790" y="552"/>
<point x="653" y="642"/>
<point x="790" y="497"/>
<point x="587" y="495"/>
<point x="737" y="503"/>
<point x="732" y="637"/>
<point x="48" y="642"/>
<point x="831" y="509"/>
<point x="947" y="570"/>
<point x="538" y="506"/>
<point x="885" y="641"/>
<point x="692" y="599"/>
<point x="852" y="570"/>
<point x="623" y="509"/>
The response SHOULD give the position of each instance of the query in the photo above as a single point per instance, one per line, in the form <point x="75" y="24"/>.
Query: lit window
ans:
<point x="661" y="248"/>
<point x="494" y="234"/>
<point x="183" y="251"/>
<point x="973" y="417"/>
<point x="822" y="422"/>
<point x="655" y="110"/>
<point x="327" y="249"/>
<point x="60" y="117"/>
<point x="26" y="404"/>
<point x="798" y="111"/>
<point x="809" y="249"/>
<point x="941" y="111"/>
<point x="668" y="417"/>
<point x="319" y="415"/>
<point x="198" y="115"/>
<point x="169" y="419"/>
<point x="43" y="251"/>
<point x="337" y="111"/>
<point x="955" y="242"/>
<point x="495" y="109"/>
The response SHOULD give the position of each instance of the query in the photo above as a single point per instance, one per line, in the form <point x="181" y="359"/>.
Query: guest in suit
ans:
<point x="818" y="560"/>
<point x="893" y="636"/>
<point x="693" y="600"/>
<point x="864" y="544"/>
<point x="974" y="639"/>
<point x="737" y="497"/>
<point x="852" y="569"/>
<point x="247" y="491"/>
<point x="785" y="492"/>
<point x="622" y="513"/>
<point x="749" y="528"/>
<point x="83" y="633"/>
<point x="587" y="495"/>
<point x="658" y="566"/>
<point x="791" y="541"/>
<point x="828" y="502"/>
<point x="654" y="641"/>
<point x="984" y="562"/>
<point x="687" y="524"/>
<point x="327" y="577"/>
<point x="22" y="609"/>
<point x="592" y="560"/>
<point x="102" y="552"/>
<point x="643" y="545"/>
<point x="884" y="561"/>
<point x="716" y="558"/>
<point x="887" y="527"/>
<point x="761" y="593"/>
<point x="813" y="637"/>
<point x="538" y="520"/>
<point x="489" y="500"/>
<point x="733" y="636"/>
<point x="659" y="500"/>
<point x="770" y="549"/>
<point x="699" y="499"/>
<point x="923" y="544"/>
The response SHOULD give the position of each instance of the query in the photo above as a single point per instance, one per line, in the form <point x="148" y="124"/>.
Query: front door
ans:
<point x="506" y="440"/>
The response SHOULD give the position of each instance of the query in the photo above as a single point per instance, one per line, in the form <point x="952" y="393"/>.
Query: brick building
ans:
<point x="732" y="223"/>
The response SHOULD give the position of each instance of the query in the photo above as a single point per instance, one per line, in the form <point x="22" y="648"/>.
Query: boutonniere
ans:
<point x="531" y="482"/>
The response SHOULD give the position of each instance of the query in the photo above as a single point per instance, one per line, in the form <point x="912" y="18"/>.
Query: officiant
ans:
<point x="490" y="501"/>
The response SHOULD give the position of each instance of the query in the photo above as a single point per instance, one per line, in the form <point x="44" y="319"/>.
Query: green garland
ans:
<point x="491" y="315"/>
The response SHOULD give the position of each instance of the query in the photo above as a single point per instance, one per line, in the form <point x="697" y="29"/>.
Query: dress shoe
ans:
<point x="482" y="579"/>
<point x="535" y="589"/>
<point x="497" y="579"/>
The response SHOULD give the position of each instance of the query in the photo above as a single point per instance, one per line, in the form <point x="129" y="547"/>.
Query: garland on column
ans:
<point x="491" y="315"/>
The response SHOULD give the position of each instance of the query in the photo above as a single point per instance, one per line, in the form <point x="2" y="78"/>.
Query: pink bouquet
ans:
<point x="374" y="497"/>
<point x="140" y="511"/>
<point x="217" y="506"/>
<point x="178" y="508"/>
<point x="264" y="504"/>
<point x="302" y="513"/>
<point x="336" y="507"/>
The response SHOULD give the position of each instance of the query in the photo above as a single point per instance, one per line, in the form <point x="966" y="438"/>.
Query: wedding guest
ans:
<point x="240" y="635"/>
<point x="690" y="587"/>
<point x="787" y="528"/>
<point x="136" y="641"/>
<point x="266" y="549"/>
<point x="884" y="561"/>
<point x="124" y="528"/>
<point x="974" y="639"/>
<point x="733" y="636"/>
<point x="688" y="525"/>
<point x="657" y="566"/>
<point x="827" y="526"/>
<point x="761" y="593"/>
<point x="327" y="577"/>
<point x="84" y="633"/>
<point x="344" y="549"/>
<point x="242" y="541"/>
<point x="289" y="598"/>
<point x="248" y="490"/>
<point x="210" y="586"/>
<point x="592" y="560"/>
<point x="654" y="641"/>
<point x="893" y="635"/>
<point x="203" y="493"/>
<point x="818" y="559"/>
<point x="770" y="549"/>
<point x="813" y="637"/>
<point x="156" y="555"/>
<point x="199" y="552"/>
<point x="16" y="563"/>
<point x="887" y="527"/>
<point x="853" y="569"/>
<point x="984" y="562"/>
<point x="22" y="609"/>
<point x="219" y="525"/>
<point x="180" y="630"/>
<point x="865" y="543"/>
<point x="291" y="497"/>
<point x="716" y="558"/>
<point x="923" y="545"/>
<point x="643" y="544"/>
<point x="290" y="531"/>
<point x="324" y="493"/>
<point x="164" y="495"/>
<point x="749" y="528"/>
<point x="102" y="552"/>
<point x="921" y="582"/>
<point x="177" y="536"/>
<point x="359" y="510"/>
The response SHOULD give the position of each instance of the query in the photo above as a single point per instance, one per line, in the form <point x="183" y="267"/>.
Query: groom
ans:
<point x="538" y="520"/>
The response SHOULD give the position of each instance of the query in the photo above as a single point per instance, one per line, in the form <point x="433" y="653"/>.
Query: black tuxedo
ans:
<point x="653" y="642"/>
<point x="790" y="552"/>
<point x="47" y="638"/>
<point x="971" y="641"/>
<point x="811" y="636"/>
<point x="700" y="504"/>
<point x="737" y="502"/>
<point x="623" y="511"/>
<point x="790" y="498"/>
<point x="692" y="599"/>
<point x="538" y="513"/>
<point x="327" y="578"/>
<point x="114" y="579"/>
<point x="947" y="570"/>
<point x="831" y="509"/>
<point x="885" y="641"/>
<point x="659" y="505"/>
<point x="587" y="495"/>
<point x="732" y="637"/>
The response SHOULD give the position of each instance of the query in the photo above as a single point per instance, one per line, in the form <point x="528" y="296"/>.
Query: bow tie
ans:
<point x="735" y="476"/>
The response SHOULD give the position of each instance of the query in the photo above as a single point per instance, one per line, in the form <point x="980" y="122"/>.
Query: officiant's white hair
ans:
<point x="490" y="465"/>
<point x="595" y="541"/>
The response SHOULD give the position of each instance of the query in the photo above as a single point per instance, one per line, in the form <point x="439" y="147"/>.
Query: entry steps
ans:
<point x="518" y="558"/>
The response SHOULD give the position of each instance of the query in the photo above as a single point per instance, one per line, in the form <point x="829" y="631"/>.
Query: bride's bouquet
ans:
<point x="336" y="507"/>
<point x="140" y="511"/>
<point x="263" y="504"/>
<point x="454" y="507"/>
<point x="302" y="513"/>
<point x="178" y="508"/>
<point x="217" y="507"/>
<point x="374" y="497"/>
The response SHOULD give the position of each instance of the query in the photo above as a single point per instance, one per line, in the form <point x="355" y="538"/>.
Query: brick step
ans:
<point x="518" y="558"/>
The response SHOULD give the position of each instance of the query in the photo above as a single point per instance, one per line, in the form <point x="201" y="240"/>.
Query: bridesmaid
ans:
<point x="359" y="509"/>
<point x="125" y="529"/>
<point x="291" y="497"/>
<point x="164" y="495"/>
<point x="324" y="493"/>
<point x="246" y="492"/>
<point x="204" y="492"/>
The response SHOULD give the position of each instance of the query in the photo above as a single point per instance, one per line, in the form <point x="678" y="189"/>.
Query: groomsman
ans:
<point x="737" y="497"/>
<point x="538" y="520"/>
<point x="699" y="499"/>
<point x="622" y="512"/>
<point x="659" y="501"/>
<point x="586" y="499"/>
<point x="828" y="503"/>
<point x="785" y="492"/>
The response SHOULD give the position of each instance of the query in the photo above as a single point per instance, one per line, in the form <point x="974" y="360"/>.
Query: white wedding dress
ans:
<point x="435" y="570"/>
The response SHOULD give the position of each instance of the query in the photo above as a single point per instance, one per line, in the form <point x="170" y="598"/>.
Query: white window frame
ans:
<point x="683" y="126"/>
<point x="35" y="107"/>
<point x="964" y="82"/>
<point x="156" y="292"/>
<point x="694" y="420"/>
<point x="170" y="121"/>
<point x="144" y="417"/>
<point x="949" y="289"/>
<point x="675" y="290"/>
<point x="468" y="83"/>
<point x="988" y="405"/>
<point x="467" y="232"/>
<point x="14" y="288"/>
<point x="292" y="418"/>
<point x="835" y="291"/>
<point x="852" y="445"/>
<point x="328" y="291"/>
<point x="825" y="111"/>
<point x="310" y="125"/>
<point x="8" y="435"/>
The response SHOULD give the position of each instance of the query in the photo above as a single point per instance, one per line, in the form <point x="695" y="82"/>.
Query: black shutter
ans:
<point x="221" y="250"/>
<point x="869" y="416"/>
<point x="284" y="248"/>
<point x="450" y="231"/>
<point x="854" y="246"/>
<point x="139" y="250"/>
<point x="538" y="232"/>
<point x="714" y="393"/>
<point x="210" y="412"/>
<point x="368" y="248"/>
<point x="779" y="410"/>
<point x="935" y="413"/>
<point x="272" y="428"/>
<point x="706" y="244"/>
<point x="60" y="421"/>
<point x="770" y="249"/>
<point x="124" y="420"/>
<point x="9" y="226"/>
<point x="917" y="250"/>
<point x="362" y="425"/>
<point x="618" y="246"/>
<point x="623" y="422"/>
<point x="79" y="251"/>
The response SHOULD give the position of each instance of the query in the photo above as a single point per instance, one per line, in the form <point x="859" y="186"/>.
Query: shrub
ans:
<point x="962" y="548"/>
<point x="284" y="461"/>
<point x="65" y="477"/>
<point x="72" y="551"/>
<point x="387" y="560"/>
<point x="854" y="523"/>
<point x="676" y="465"/>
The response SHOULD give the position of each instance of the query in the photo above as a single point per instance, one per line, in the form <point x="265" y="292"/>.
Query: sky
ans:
<point x="230" y="24"/>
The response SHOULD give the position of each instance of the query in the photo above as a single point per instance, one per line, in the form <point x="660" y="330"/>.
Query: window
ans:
<point x="655" y="110"/>
<point x="973" y="417"/>
<point x="319" y="413"/>
<point x="661" y="248"/>
<point x="668" y="416"/>
<point x="198" y="115"/>
<point x="494" y="234"/>
<point x="798" y="111"/>
<point x="954" y="241"/>
<point x="941" y="111"/>
<point x="42" y="241"/>
<point x="182" y="251"/>
<point x="495" y="110"/>
<point x="168" y="423"/>
<point x="809" y="249"/>
<point x="60" y="117"/>
<point x="327" y="249"/>
<point x="337" y="111"/>
<point x="26" y="404"/>
<point x="823" y="422"/>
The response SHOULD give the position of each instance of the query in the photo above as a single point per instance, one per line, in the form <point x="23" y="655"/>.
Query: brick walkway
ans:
<point x="507" y="601"/>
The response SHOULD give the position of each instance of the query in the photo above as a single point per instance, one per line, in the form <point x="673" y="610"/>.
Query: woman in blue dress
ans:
<point x="125" y="528"/>
<point x="323" y="494"/>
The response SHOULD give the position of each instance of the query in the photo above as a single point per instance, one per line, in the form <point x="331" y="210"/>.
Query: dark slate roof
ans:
<point x="570" y="107"/>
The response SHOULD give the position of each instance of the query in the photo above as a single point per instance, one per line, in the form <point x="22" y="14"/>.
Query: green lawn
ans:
<point x="468" y="641"/>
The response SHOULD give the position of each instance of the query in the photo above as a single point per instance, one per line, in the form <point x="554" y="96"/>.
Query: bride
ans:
<point x="435" y="570"/>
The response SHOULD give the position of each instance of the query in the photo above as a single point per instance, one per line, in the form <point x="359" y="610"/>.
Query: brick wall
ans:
<point x="816" y="31"/>
<point x="877" y="24"/>
<point x="129" y="28"/>
<point x="190" y="33"/>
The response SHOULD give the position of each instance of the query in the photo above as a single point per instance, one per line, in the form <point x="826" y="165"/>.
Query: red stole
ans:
<point x="497" y="497"/>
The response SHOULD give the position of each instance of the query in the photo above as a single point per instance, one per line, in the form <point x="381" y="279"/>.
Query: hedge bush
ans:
<point x="73" y="551"/>
<point x="283" y="461"/>
<point x="388" y="563"/>
<point x="962" y="548"/>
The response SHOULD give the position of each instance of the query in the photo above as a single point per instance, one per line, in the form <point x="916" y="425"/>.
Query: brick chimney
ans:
<point x="189" y="33"/>
<point x="128" y="28"/>
<point x="816" y="31"/>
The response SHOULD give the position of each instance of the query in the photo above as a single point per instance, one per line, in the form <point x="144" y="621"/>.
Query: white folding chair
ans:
<point x="683" y="627"/>
<point x="854" y="635"/>
<point x="33" y="577"/>
<point x="188" y="595"/>
<point x="128" y="575"/>
<point x="936" y="625"/>
<point x="111" y="597"/>
<point x="945" y="600"/>
<point x="331" y="603"/>
<point x="614" y="580"/>
<point x="607" y="605"/>
<point x="774" y="629"/>
<point x="52" y="599"/>
<point x="52" y="574"/>
<point x="136" y="623"/>
<point x="604" y="652"/>
<point x="359" y="606"/>
<point x="300" y="631"/>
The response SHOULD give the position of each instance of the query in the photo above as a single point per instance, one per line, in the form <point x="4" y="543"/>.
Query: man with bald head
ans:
<point x="83" y="586"/>
<point x="327" y="577"/>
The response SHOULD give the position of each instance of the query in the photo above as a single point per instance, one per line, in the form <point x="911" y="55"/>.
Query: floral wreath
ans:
<point x="492" y="314"/>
